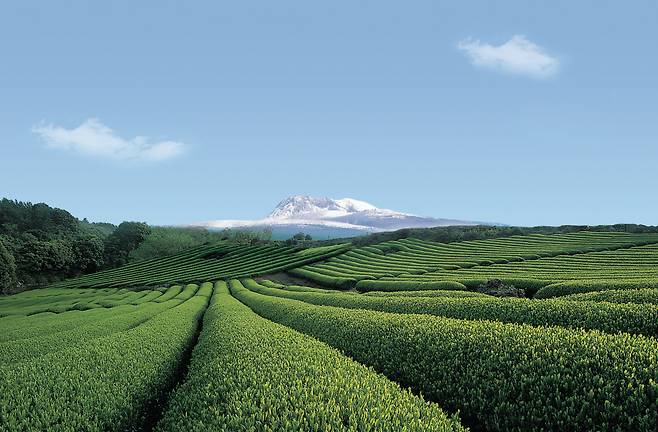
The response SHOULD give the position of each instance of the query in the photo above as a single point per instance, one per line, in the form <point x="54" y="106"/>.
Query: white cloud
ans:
<point x="517" y="56"/>
<point x="94" y="138"/>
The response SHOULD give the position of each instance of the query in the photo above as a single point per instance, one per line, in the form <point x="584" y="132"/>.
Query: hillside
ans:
<point x="105" y="351"/>
<point x="40" y="244"/>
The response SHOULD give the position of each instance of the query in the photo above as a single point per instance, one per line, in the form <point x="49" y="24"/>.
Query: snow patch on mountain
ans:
<point x="311" y="208"/>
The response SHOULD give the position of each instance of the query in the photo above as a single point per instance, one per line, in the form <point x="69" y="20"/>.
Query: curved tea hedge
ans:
<point x="430" y="293"/>
<point x="607" y="317"/>
<point x="78" y="317"/>
<point x="26" y="345"/>
<point x="385" y="285"/>
<point x="248" y="373"/>
<point x="337" y="282"/>
<point x="635" y="267"/>
<point x="94" y="354"/>
<point x="220" y="261"/>
<point x="585" y="286"/>
<point x="61" y="302"/>
<point x="107" y="384"/>
<point x="639" y="296"/>
<point x="502" y="377"/>
<point x="478" y="260"/>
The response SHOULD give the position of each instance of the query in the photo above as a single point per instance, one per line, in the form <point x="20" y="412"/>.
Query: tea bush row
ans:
<point x="502" y="377"/>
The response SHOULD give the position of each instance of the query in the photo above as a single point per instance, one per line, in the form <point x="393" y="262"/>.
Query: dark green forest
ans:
<point x="40" y="244"/>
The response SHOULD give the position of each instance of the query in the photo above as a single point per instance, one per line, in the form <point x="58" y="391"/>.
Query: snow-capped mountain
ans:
<point x="306" y="207"/>
<point x="341" y="217"/>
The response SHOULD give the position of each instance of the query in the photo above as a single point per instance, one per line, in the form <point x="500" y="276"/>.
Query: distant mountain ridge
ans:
<point x="327" y="218"/>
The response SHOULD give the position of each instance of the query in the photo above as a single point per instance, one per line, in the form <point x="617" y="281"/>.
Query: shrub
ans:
<point x="611" y="318"/>
<point x="110" y="383"/>
<point x="583" y="286"/>
<point x="496" y="288"/>
<point x="326" y="280"/>
<point x="638" y="296"/>
<point x="428" y="293"/>
<point x="406" y="285"/>
<point x="196" y="265"/>
<point x="248" y="373"/>
<point x="8" y="281"/>
<point x="502" y="377"/>
<point x="93" y="324"/>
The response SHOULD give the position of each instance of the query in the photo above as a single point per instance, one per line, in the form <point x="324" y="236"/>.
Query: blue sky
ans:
<point x="522" y="112"/>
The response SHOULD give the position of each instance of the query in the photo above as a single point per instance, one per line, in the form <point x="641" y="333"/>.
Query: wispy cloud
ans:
<point x="517" y="56"/>
<point x="95" y="139"/>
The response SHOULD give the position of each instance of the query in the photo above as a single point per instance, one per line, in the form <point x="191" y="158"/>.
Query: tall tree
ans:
<point x="8" y="280"/>
<point x="48" y="244"/>
<point x="124" y="240"/>
<point x="88" y="252"/>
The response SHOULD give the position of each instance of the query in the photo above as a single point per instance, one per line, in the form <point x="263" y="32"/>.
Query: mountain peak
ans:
<point x="308" y="207"/>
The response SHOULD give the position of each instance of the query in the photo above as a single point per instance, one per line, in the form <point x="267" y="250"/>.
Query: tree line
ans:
<point x="40" y="244"/>
<point x="450" y="234"/>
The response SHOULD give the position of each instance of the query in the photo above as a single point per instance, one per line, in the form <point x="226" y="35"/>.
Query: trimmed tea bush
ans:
<point x="502" y="377"/>
<point x="248" y="373"/>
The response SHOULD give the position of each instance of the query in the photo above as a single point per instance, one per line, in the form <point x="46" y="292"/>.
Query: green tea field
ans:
<point x="328" y="216"/>
<point x="540" y="332"/>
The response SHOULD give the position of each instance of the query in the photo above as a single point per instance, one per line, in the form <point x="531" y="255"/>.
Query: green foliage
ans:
<point x="323" y="279"/>
<point x="391" y="285"/>
<point x="341" y="247"/>
<point x="39" y="220"/>
<point x="171" y="292"/>
<point x="638" y="296"/>
<point x="584" y="286"/>
<point x="58" y="303"/>
<point x="124" y="240"/>
<point x="246" y="236"/>
<point x="109" y="383"/>
<point x="481" y="232"/>
<point x="607" y="317"/>
<point x="502" y="377"/>
<point x="498" y="288"/>
<point x="87" y="253"/>
<point x="219" y="261"/>
<point x="47" y="243"/>
<point x="43" y="257"/>
<point x="422" y="293"/>
<point x="271" y="284"/>
<point x="300" y="288"/>
<point x="527" y="262"/>
<point x="583" y="362"/>
<point x="100" y="229"/>
<point x="299" y="238"/>
<point x="28" y="326"/>
<point x="166" y="241"/>
<point x="96" y="323"/>
<point x="248" y="373"/>
<point x="8" y="280"/>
